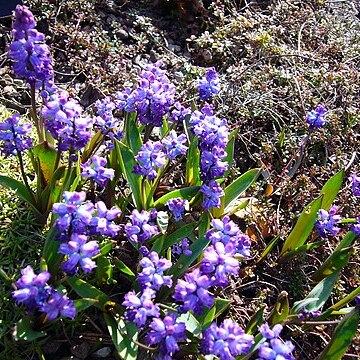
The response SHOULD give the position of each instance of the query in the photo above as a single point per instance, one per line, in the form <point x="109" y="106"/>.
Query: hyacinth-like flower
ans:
<point x="105" y="119"/>
<point x="74" y="214"/>
<point x="316" y="118"/>
<point x="29" y="52"/>
<point x="327" y="221"/>
<point x="35" y="293"/>
<point x="150" y="158"/>
<point x="179" y="112"/>
<point x="275" y="348"/>
<point x="226" y="231"/>
<point x="140" y="308"/>
<point x="355" y="228"/>
<point x="212" y="131"/>
<point x="79" y="251"/>
<point x="182" y="248"/>
<point x="355" y="184"/>
<point x="211" y="163"/>
<point x="63" y="119"/>
<point x="152" y="274"/>
<point x="58" y="304"/>
<point x="142" y="227"/>
<point x="173" y="145"/>
<point x="166" y="332"/>
<point x="212" y="193"/>
<point x="152" y="98"/>
<point x="307" y="314"/>
<point x="209" y="85"/>
<point x="194" y="292"/>
<point x="177" y="207"/>
<point x="219" y="262"/>
<point x="102" y="223"/>
<point x="95" y="169"/>
<point x="226" y="341"/>
<point x="15" y="137"/>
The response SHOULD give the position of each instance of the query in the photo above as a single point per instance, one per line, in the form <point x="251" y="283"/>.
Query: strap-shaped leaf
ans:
<point x="303" y="227"/>
<point x="133" y="137"/>
<point x="192" y="174"/>
<point x="331" y="189"/>
<point x="186" y="193"/>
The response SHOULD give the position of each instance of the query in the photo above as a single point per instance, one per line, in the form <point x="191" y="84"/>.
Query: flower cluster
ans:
<point x="327" y="221"/>
<point x="152" y="98"/>
<point x="63" y="119"/>
<point x="142" y="226"/>
<point x="95" y="169"/>
<point x="213" y="137"/>
<point x="182" y="248"/>
<point x="177" y="207"/>
<point x="275" y="348"/>
<point x="179" y="112"/>
<point x="226" y="341"/>
<point x="77" y="221"/>
<point x="316" y="118"/>
<point x="35" y="293"/>
<point x="15" y="137"/>
<point x="29" y="52"/>
<point x="355" y="184"/>
<point x="209" y="85"/>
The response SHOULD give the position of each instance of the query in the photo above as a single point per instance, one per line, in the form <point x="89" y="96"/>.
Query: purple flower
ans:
<point x="326" y="222"/>
<point x="193" y="292"/>
<point x="140" y="308"/>
<point x="355" y="184"/>
<point x="357" y="300"/>
<point x="177" y="207"/>
<point x="355" y="228"/>
<point x="150" y="158"/>
<point x="179" y="112"/>
<point x="32" y="289"/>
<point x="142" y="226"/>
<point x="95" y="169"/>
<point x="15" y="137"/>
<point x="219" y="262"/>
<point x="212" y="193"/>
<point x="211" y="163"/>
<point x="63" y="119"/>
<point x="269" y="333"/>
<point x="152" y="274"/>
<point x="58" y="303"/>
<point x="167" y="333"/>
<point x="182" y="248"/>
<point x="307" y="314"/>
<point x="102" y="223"/>
<point x="209" y="85"/>
<point x="79" y="251"/>
<point x="316" y="118"/>
<point x="29" y="52"/>
<point x="174" y="145"/>
<point x="226" y="341"/>
<point x="105" y="119"/>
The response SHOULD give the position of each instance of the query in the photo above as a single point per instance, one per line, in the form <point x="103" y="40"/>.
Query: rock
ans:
<point x="102" y="353"/>
<point x="81" y="350"/>
<point x="9" y="90"/>
<point x="123" y="34"/>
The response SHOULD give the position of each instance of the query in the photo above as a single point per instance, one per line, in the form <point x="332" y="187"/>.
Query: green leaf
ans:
<point x="124" y="268"/>
<point x="104" y="271"/>
<point x="91" y="146"/>
<point x="83" y="304"/>
<point x="46" y="156"/>
<point x="346" y="299"/>
<point x="185" y="193"/>
<point x="230" y="151"/>
<point x="86" y="290"/>
<point x="127" y="163"/>
<point x="21" y="191"/>
<point x="342" y="337"/>
<point x="24" y="332"/>
<point x="162" y="221"/>
<point x="207" y="317"/>
<point x="191" y="323"/>
<point x="52" y="191"/>
<point x="331" y="189"/>
<point x="184" y="261"/>
<point x="300" y="250"/>
<point x="192" y="174"/>
<point x="50" y="251"/>
<point x="303" y="227"/>
<point x="320" y="292"/>
<point x="281" y="309"/>
<point x="106" y="247"/>
<point x="158" y="244"/>
<point x="204" y="224"/>
<point x="268" y="249"/>
<point x="337" y="261"/>
<point x="241" y="184"/>
<point x="123" y="336"/>
<point x="133" y="137"/>
<point x="256" y="320"/>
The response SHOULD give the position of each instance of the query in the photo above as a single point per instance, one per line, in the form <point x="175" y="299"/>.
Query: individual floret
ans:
<point x="209" y="85"/>
<point x="177" y="207"/>
<point x="173" y="145"/>
<point x="142" y="227"/>
<point x="95" y="169"/>
<point x="212" y="193"/>
<point x="355" y="184"/>
<point x="327" y="221"/>
<point x="316" y="118"/>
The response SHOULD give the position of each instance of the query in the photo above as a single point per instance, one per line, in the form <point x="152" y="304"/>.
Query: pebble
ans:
<point x="102" y="353"/>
